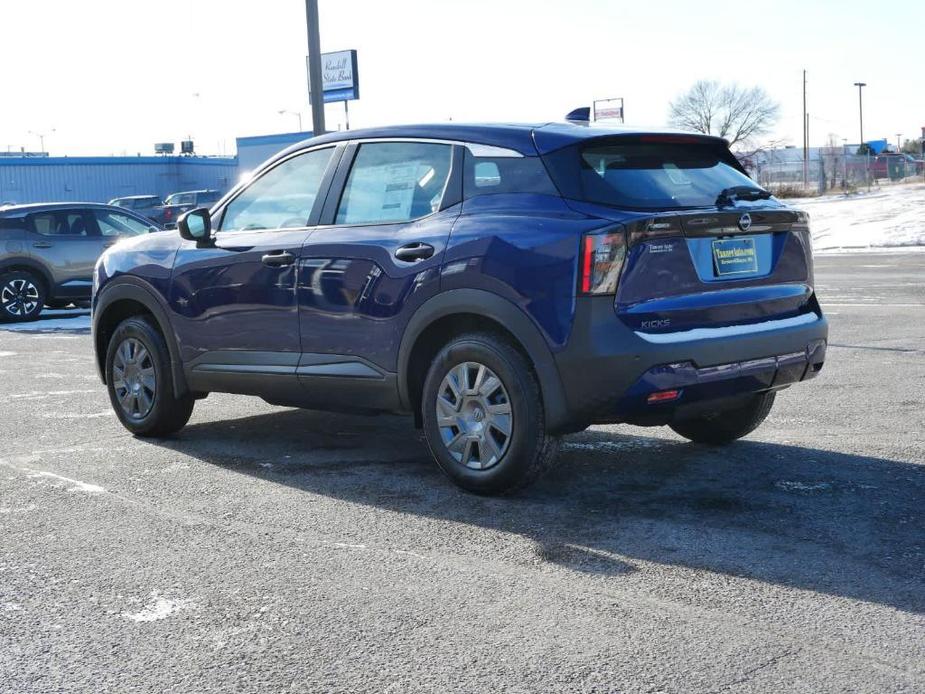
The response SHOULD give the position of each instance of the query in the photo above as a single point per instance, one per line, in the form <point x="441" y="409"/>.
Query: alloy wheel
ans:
<point x="133" y="378"/>
<point x="474" y="415"/>
<point x="20" y="297"/>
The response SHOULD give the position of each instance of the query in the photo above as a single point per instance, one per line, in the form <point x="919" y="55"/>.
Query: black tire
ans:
<point x="167" y="413"/>
<point x="725" y="426"/>
<point x="22" y="296"/>
<point x="529" y="451"/>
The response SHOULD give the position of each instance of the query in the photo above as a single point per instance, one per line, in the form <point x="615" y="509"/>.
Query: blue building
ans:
<point x="253" y="151"/>
<point x="99" y="179"/>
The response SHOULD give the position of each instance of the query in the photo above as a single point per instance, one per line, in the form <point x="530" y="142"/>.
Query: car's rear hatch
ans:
<point x="704" y="247"/>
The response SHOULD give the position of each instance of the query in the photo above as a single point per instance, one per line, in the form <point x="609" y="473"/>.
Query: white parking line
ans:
<point x="872" y="305"/>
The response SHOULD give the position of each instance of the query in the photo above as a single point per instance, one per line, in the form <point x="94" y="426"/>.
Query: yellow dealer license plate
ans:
<point x="734" y="257"/>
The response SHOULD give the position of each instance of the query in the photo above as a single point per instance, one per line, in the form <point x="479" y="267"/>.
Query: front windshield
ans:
<point x="658" y="175"/>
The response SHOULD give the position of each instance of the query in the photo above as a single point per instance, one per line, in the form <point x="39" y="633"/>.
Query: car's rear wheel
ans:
<point x="727" y="425"/>
<point x="483" y="416"/>
<point x="22" y="296"/>
<point x="139" y="380"/>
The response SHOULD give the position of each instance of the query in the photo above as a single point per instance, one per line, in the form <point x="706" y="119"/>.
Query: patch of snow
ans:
<point x="157" y="608"/>
<point x="892" y="218"/>
<point x="10" y="606"/>
<point x="708" y="333"/>
<point x="52" y="321"/>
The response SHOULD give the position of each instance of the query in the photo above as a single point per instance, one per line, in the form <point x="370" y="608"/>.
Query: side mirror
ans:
<point x="196" y="225"/>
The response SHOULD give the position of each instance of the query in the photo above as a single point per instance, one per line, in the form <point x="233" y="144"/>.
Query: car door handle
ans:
<point x="278" y="259"/>
<point x="414" y="251"/>
<point x="42" y="244"/>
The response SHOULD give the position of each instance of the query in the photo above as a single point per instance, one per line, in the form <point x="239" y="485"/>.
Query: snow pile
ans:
<point x="53" y="321"/>
<point x="889" y="218"/>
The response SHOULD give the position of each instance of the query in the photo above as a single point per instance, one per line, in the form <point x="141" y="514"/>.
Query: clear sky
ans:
<point x="113" y="77"/>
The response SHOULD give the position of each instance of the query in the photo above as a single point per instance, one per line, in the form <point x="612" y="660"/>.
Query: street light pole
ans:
<point x="298" y="115"/>
<point x="898" y="135"/>
<point x="315" y="93"/>
<point x="860" y="86"/>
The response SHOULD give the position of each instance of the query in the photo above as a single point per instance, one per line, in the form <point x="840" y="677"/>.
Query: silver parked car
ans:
<point x="48" y="250"/>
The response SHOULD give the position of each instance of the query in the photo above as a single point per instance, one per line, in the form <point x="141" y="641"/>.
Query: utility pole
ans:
<point x="41" y="137"/>
<point x="898" y="148"/>
<point x="315" y="93"/>
<point x="860" y="86"/>
<point x="805" y="136"/>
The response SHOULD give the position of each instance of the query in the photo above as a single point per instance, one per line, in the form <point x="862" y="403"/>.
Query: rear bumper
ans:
<point x="608" y="370"/>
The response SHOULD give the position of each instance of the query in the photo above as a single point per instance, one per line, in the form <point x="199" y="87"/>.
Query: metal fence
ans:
<point x="833" y="170"/>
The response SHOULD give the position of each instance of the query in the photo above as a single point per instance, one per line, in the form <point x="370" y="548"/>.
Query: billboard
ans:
<point x="339" y="78"/>
<point x="607" y="109"/>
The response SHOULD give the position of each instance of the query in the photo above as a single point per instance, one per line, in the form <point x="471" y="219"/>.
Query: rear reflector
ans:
<point x="663" y="396"/>
<point x="601" y="260"/>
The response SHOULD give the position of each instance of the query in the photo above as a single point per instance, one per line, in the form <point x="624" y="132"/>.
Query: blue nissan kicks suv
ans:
<point x="502" y="284"/>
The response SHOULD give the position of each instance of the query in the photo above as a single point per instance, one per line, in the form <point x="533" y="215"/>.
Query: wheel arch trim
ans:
<point x="7" y="264"/>
<point x="503" y="312"/>
<point x="133" y="289"/>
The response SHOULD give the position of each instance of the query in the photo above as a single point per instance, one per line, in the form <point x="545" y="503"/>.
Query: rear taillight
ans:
<point x="601" y="260"/>
<point x="168" y="213"/>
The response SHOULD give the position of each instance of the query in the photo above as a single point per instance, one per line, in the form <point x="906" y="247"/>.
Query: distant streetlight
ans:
<point x="298" y="115"/>
<point x="41" y="137"/>
<point x="860" y="86"/>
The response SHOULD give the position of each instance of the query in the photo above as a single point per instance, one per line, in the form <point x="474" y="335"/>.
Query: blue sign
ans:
<point x="340" y="80"/>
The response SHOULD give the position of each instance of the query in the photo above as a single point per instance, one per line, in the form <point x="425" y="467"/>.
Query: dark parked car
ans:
<point x="504" y="285"/>
<point x="142" y="204"/>
<point x="47" y="252"/>
<point x="178" y="203"/>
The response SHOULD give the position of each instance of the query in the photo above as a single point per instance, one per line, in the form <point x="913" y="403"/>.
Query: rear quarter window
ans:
<point x="498" y="175"/>
<point x="12" y="224"/>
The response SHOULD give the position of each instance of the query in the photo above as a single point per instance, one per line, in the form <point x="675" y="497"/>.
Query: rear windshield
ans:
<point x="657" y="175"/>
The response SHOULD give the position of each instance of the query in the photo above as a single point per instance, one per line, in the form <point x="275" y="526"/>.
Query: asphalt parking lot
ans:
<point x="266" y="549"/>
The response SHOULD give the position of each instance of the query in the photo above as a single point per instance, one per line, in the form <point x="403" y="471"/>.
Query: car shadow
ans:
<point x="837" y="523"/>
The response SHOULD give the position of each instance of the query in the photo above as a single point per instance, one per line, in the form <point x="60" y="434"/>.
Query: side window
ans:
<point x="207" y="198"/>
<point x="282" y="198"/>
<point x="395" y="182"/>
<point x="491" y="175"/>
<point x="115" y="224"/>
<point x="65" y="224"/>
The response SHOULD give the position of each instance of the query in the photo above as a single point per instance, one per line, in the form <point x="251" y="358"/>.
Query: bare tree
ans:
<point x="736" y="113"/>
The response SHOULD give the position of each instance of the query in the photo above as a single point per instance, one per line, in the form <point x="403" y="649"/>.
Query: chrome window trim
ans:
<point x="475" y="149"/>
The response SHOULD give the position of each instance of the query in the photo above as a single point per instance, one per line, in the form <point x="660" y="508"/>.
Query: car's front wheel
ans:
<point x="727" y="425"/>
<point x="22" y="296"/>
<point x="139" y="380"/>
<point x="483" y="415"/>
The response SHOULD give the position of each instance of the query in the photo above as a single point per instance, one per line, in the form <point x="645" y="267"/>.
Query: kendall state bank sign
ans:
<point x="339" y="78"/>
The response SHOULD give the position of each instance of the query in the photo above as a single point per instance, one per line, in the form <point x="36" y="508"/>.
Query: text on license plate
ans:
<point x="734" y="256"/>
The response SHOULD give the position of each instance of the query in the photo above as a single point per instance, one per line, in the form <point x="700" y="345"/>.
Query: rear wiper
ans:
<point x="728" y="196"/>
